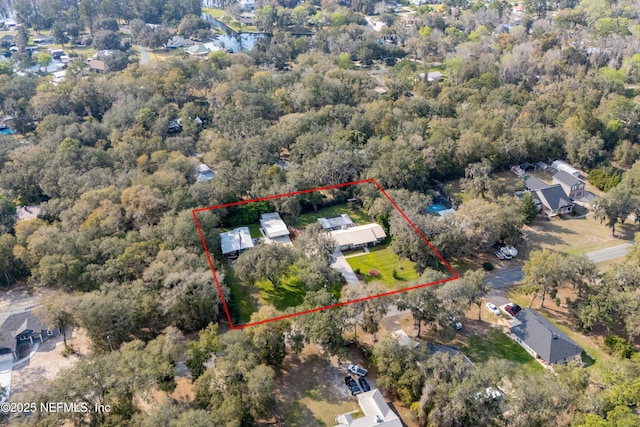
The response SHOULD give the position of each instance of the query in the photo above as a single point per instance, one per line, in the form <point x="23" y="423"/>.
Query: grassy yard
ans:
<point x="383" y="259"/>
<point x="216" y="13"/>
<point x="241" y="305"/>
<point x="289" y="293"/>
<point x="494" y="343"/>
<point x="356" y="215"/>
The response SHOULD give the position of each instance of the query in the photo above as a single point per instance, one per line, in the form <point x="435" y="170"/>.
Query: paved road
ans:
<point x="144" y="55"/>
<point x="610" y="253"/>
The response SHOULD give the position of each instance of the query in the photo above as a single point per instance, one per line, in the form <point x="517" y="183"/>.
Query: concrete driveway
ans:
<point x="6" y="368"/>
<point x="340" y="263"/>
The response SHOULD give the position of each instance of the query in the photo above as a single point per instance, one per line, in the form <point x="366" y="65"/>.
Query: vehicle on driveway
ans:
<point x="492" y="308"/>
<point x="504" y="251"/>
<point x="353" y="385"/>
<point x="512" y="309"/>
<point x="455" y="322"/>
<point x="357" y="370"/>
<point x="512" y="250"/>
<point x="364" y="384"/>
<point x="500" y="255"/>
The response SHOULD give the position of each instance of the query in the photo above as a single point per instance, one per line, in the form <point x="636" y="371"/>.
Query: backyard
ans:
<point x="494" y="343"/>
<point x="356" y="215"/>
<point x="393" y="272"/>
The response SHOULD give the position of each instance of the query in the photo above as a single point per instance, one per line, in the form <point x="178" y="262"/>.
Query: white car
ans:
<point x="504" y="251"/>
<point x="492" y="308"/>
<point x="512" y="250"/>
<point x="455" y="322"/>
<point x="357" y="370"/>
<point x="500" y="255"/>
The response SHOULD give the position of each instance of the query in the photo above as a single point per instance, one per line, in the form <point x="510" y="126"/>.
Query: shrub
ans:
<point x="605" y="178"/>
<point x="487" y="266"/>
<point x="374" y="273"/>
<point x="618" y="346"/>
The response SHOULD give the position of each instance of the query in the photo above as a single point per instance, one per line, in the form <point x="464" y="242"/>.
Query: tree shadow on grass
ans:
<point x="285" y="295"/>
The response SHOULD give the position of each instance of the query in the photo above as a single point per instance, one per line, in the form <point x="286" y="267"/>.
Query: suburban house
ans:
<point x="274" y="229"/>
<point x="20" y="332"/>
<point x="202" y="49"/>
<point x="554" y="200"/>
<point x="97" y="66"/>
<point x="203" y="173"/>
<point x="179" y="41"/>
<point x="236" y="241"/>
<point x="376" y="413"/>
<point x="559" y="165"/>
<point x="336" y="223"/>
<point x="358" y="236"/>
<point x="574" y="187"/>
<point x="531" y="183"/>
<point x="542" y="339"/>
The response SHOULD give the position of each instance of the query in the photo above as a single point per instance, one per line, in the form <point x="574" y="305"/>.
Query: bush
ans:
<point x="618" y="346"/>
<point x="605" y="178"/>
<point x="487" y="266"/>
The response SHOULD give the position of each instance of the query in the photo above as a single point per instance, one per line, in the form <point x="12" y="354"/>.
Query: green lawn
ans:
<point x="216" y="13"/>
<point x="356" y="215"/>
<point x="496" y="344"/>
<point x="240" y="306"/>
<point x="383" y="259"/>
<point x="289" y="293"/>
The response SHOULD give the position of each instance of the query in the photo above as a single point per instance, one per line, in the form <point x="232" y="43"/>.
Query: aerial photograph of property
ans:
<point x="332" y="213"/>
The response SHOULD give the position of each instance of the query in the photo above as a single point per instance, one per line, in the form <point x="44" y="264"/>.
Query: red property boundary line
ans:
<point x="294" y="193"/>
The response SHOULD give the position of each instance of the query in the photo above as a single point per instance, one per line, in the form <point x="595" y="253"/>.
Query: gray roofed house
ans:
<point x="273" y="226"/>
<point x="554" y="200"/>
<point x="532" y="183"/>
<point x="336" y="223"/>
<point x="236" y="241"/>
<point x="573" y="186"/>
<point x="542" y="339"/>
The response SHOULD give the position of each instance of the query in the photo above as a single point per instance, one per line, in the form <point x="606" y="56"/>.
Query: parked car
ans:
<point x="455" y="322"/>
<point x="357" y="370"/>
<point x="364" y="384"/>
<point x="504" y="251"/>
<point x="500" y="255"/>
<point x="492" y="308"/>
<point x="512" y="250"/>
<point x="353" y="386"/>
<point x="512" y="309"/>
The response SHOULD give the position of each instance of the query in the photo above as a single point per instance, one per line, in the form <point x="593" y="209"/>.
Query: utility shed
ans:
<point x="236" y="241"/>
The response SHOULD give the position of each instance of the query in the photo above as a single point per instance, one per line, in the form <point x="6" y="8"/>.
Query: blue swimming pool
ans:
<point x="7" y="131"/>
<point x="436" y="207"/>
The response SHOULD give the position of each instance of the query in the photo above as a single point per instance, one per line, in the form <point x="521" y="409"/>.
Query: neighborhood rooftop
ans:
<point x="567" y="178"/>
<point x="554" y="197"/>
<point x="359" y="235"/>
<point x="273" y="225"/>
<point x="533" y="183"/>
<point x="236" y="240"/>
<point x="336" y="222"/>
<point x="545" y="339"/>
<point x="376" y="412"/>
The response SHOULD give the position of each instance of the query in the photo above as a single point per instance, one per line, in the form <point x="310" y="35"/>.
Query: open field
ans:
<point x="356" y="215"/>
<point x="394" y="273"/>
<point x="575" y="235"/>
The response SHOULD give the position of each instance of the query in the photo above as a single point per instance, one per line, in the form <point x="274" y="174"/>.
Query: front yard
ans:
<point x="395" y="273"/>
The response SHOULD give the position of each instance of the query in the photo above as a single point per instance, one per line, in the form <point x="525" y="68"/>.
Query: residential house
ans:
<point x="203" y="173"/>
<point x="358" y="236"/>
<point x="274" y="229"/>
<point x="573" y="186"/>
<point x="533" y="184"/>
<point x="377" y="412"/>
<point x="179" y="41"/>
<point x="43" y="40"/>
<point x="336" y="223"/>
<point x="542" y="339"/>
<point x="20" y="332"/>
<point x="559" y="165"/>
<point x="197" y="50"/>
<point x="98" y="66"/>
<point x="554" y="200"/>
<point x="236" y="241"/>
<point x="247" y="5"/>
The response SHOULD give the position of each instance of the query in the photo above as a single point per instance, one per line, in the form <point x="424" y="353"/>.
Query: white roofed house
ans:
<point x="358" y="236"/>
<point x="274" y="229"/>
<point x="203" y="173"/>
<point x="377" y="412"/>
<point x="236" y="241"/>
<point x="336" y="223"/>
